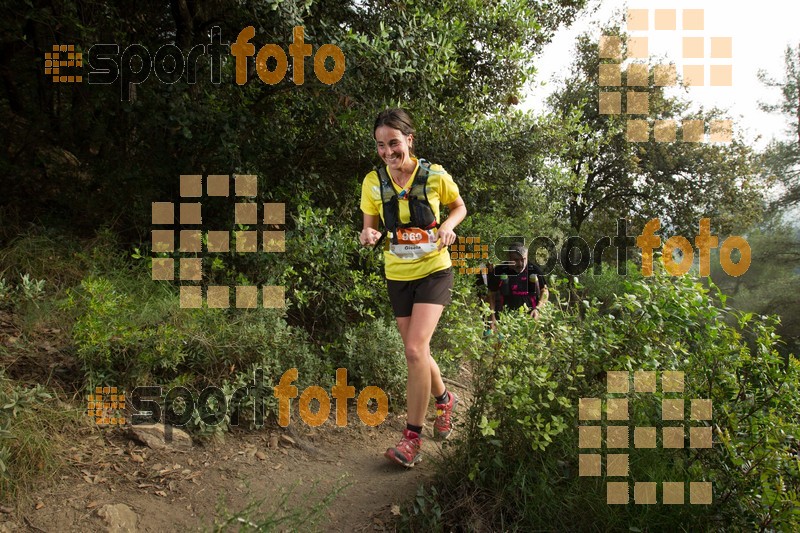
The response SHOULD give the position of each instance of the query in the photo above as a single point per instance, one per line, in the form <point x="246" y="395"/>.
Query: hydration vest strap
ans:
<point x="537" y="290"/>
<point x="422" y="215"/>
<point x="391" y="208"/>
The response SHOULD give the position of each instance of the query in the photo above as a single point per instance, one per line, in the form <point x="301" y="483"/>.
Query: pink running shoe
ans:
<point x="443" y="425"/>
<point x="406" y="452"/>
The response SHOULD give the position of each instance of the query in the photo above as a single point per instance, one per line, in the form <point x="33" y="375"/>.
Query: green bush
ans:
<point x="329" y="278"/>
<point x="124" y="337"/>
<point x="131" y="332"/>
<point x="372" y="353"/>
<point x="333" y="280"/>
<point x="460" y="330"/>
<point x="134" y="331"/>
<point x="608" y="284"/>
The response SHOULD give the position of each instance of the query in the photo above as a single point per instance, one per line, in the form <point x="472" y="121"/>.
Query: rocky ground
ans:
<point x="112" y="482"/>
<point x="327" y="478"/>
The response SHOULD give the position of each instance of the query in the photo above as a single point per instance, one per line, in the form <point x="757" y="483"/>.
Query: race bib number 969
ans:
<point x="413" y="243"/>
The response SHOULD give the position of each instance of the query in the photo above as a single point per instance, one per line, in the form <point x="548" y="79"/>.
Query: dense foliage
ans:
<point x="81" y="164"/>
<point x="516" y="465"/>
<point x="79" y="154"/>
<point x="609" y="177"/>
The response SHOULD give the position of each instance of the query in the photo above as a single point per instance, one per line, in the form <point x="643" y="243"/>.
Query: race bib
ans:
<point x="413" y="243"/>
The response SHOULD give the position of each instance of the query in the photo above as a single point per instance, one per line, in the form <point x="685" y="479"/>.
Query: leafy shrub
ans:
<point x="606" y="285"/>
<point x="26" y="290"/>
<point x="332" y="279"/>
<point x="461" y="325"/>
<point x="119" y="337"/>
<point x="130" y="332"/>
<point x="424" y="513"/>
<point x="516" y="464"/>
<point x="372" y="353"/>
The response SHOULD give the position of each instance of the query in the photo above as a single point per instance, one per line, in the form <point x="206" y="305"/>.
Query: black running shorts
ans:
<point x="432" y="289"/>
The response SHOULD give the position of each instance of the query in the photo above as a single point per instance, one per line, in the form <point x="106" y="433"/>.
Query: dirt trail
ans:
<point x="194" y="489"/>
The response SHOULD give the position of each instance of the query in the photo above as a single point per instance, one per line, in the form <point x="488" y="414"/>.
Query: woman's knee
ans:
<point x="417" y="354"/>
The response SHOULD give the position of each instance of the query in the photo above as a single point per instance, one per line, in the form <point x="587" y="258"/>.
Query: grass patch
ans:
<point x="33" y="428"/>
<point x="283" y="515"/>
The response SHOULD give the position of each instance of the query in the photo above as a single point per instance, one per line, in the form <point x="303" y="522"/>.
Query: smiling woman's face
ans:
<point x="394" y="147"/>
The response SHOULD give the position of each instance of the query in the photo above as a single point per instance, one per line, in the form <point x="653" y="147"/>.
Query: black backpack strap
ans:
<point x="380" y="241"/>
<point x="391" y="208"/>
<point x="421" y="212"/>
<point x="537" y="287"/>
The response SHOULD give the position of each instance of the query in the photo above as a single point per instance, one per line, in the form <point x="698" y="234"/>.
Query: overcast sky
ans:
<point x="760" y="33"/>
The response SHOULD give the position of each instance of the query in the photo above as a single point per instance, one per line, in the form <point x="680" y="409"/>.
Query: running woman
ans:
<point x="406" y="193"/>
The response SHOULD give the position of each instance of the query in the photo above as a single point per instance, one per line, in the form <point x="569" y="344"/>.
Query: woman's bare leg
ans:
<point x="424" y="377"/>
